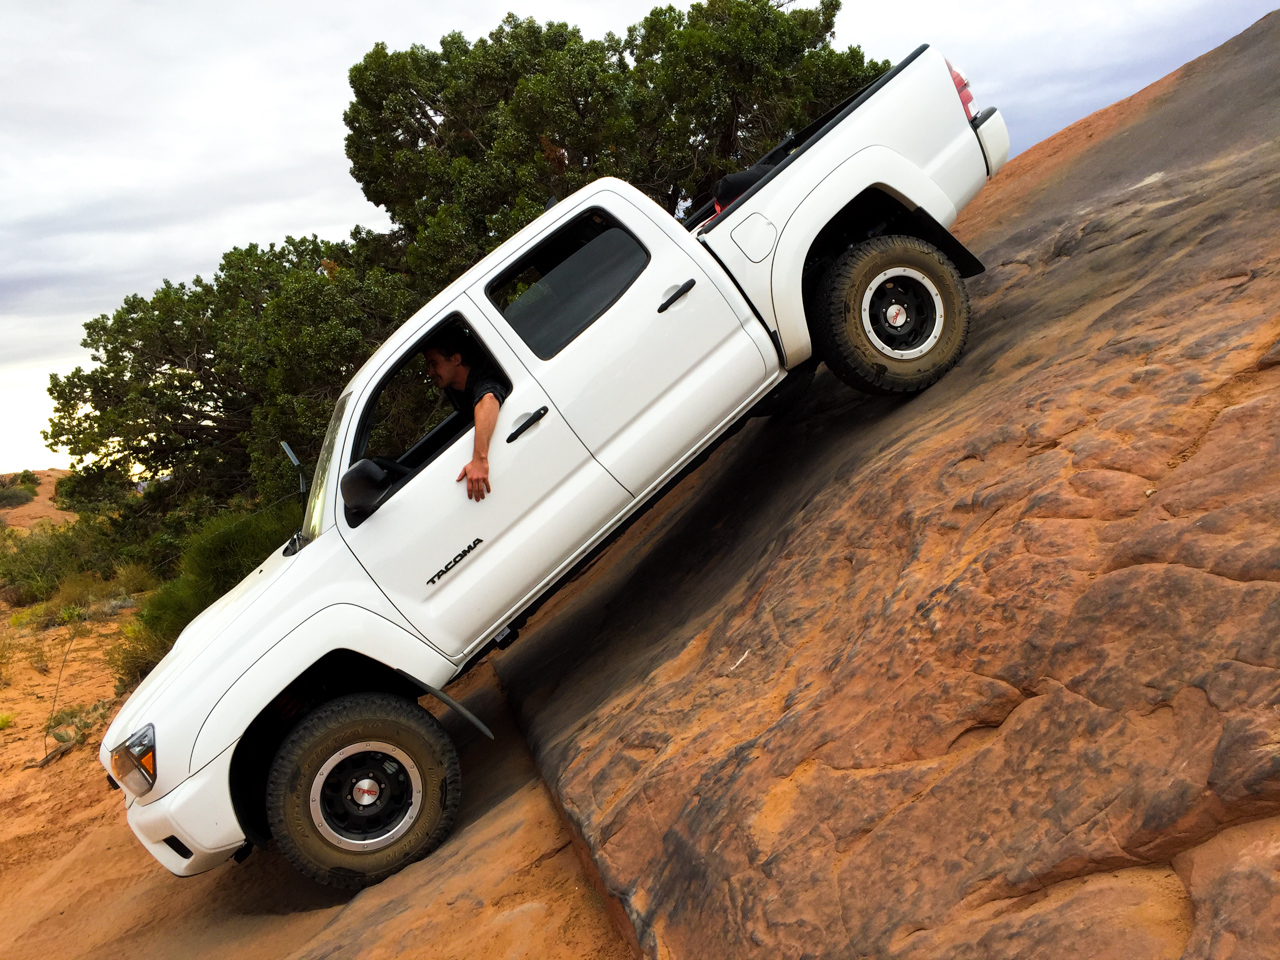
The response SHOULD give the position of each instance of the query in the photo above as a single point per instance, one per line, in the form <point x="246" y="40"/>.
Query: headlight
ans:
<point x="134" y="761"/>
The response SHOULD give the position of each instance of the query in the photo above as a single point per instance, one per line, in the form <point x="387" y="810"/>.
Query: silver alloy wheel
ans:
<point x="870" y="319"/>
<point x="397" y="827"/>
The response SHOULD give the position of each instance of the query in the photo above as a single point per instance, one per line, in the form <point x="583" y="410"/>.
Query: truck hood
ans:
<point x="198" y="635"/>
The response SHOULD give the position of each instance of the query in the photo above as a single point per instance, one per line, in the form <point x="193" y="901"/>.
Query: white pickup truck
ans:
<point x="630" y="342"/>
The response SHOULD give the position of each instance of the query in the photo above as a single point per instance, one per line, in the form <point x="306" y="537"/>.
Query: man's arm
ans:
<point x="477" y="471"/>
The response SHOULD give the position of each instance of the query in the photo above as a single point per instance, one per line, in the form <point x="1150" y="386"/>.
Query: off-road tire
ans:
<point x="840" y="336"/>
<point x="346" y="724"/>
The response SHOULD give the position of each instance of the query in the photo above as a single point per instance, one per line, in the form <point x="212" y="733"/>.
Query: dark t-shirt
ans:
<point x="480" y="381"/>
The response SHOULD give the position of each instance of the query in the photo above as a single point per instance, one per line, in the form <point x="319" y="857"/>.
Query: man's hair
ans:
<point x="454" y="339"/>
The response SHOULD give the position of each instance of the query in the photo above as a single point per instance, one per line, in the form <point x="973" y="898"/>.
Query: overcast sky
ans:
<point x="140" y="140"/>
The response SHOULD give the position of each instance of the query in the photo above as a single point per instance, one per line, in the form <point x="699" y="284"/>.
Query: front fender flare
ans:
<point x="337" y="627"/>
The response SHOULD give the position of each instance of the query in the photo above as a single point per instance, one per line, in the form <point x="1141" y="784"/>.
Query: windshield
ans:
<point x="315" y="520"/>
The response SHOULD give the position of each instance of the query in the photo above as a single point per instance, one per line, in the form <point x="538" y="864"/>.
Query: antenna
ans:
<point x="302" y="480"/>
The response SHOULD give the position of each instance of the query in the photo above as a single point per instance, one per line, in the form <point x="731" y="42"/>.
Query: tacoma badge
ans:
<point x="455" y="561"/>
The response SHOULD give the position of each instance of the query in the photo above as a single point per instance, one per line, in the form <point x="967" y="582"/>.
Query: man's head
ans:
<point x="449" y="358"/>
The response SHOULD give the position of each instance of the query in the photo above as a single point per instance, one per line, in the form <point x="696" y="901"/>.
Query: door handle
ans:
<point x="684" y="288"/>
<point x="533" y="418"/>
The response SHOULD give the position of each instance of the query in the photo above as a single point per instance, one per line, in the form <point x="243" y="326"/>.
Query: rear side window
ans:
<point x="562" y="286"/>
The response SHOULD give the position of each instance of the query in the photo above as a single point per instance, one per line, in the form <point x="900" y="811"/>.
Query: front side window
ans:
<point x="406" y="409"/>
<point x="568" y="281"/>
<point x="409" y="420"/>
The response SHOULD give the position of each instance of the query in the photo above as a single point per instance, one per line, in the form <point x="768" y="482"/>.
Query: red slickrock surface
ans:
<point x="994" y="671"/>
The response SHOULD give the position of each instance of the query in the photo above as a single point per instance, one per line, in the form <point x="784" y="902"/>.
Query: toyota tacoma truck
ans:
<point x="631" y="341"/>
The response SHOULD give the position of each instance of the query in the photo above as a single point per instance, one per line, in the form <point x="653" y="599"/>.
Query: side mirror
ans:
<point x="363" y="486"/>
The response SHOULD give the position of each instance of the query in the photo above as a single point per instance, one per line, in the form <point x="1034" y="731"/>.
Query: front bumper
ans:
<point x="197" y="814"/>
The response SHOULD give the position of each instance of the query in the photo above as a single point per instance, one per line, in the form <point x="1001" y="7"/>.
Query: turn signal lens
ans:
<point x="134" y="761"/>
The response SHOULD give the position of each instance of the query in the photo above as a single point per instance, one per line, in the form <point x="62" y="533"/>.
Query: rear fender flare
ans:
<point x="875" y="166"/>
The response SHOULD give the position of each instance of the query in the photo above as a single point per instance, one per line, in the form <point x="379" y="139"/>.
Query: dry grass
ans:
<point x="8" y="647"/>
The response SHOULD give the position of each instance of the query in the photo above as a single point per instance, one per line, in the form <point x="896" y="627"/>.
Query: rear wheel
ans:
<point x="363" y="786"/>
<point x="894" y="316"/>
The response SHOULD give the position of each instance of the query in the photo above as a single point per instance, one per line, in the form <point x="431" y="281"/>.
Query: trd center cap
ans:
<point x="365" y="792"/>
<point x="896" y="315"/>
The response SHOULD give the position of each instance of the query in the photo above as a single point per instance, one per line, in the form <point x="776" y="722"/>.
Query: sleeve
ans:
<point x="488" y="383"/>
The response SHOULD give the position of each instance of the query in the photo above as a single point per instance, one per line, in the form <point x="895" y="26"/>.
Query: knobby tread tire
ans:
<point x="841" y="342"/>
<point x="377" y="716"/>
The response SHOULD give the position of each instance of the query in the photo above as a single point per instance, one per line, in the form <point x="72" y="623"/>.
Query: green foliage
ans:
<point x="84" y="553"/>
<point x="74" y="723"/>
<point x="199" y="383"/>
<point x="131" y="579"/>
<point x="724" y="83"/>
<point x="133" y="654"/>
<point x="15" y="496"/>
<point x="220" y="554"/>
<point x="18" y="488"/>
<point x="464" y="144"/>
<point x="32" y="566"/>
<point x="6" y="720"/>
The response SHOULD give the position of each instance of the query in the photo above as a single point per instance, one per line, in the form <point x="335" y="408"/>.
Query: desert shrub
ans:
<point x="7" y="650"/>
<point x="74" y="723"/>
<point x="133" y="653"/>
<point x="71" y="614"/>
<point x="130" y="579"/>
<point x="42" y="616"/>
<point x="174" y="605"/>
<point x="18" y="488"/>
<point x="147" y="532"/>
<point x="15" y="496"/>
<point x="228" y="547"/>
<point x="33" y="566"/>
<point x="30" y="617"/>
<point x="38" y="654"/>
<point x="78" y="597"/>
<point x="79" y="590"/>
<point x="220" y="554"/>
<point x="6" y="720"/>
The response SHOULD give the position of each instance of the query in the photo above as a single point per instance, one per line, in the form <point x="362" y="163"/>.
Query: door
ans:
<point x="455" y="567"/>
<point x="636" y="347"/>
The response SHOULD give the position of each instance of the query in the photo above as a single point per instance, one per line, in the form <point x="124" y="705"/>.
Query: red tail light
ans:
<point x="962" y="88"/>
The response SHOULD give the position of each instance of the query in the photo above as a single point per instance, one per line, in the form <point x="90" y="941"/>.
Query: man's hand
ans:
<point x="477" y="476"/>
<point x="477" y="471"/>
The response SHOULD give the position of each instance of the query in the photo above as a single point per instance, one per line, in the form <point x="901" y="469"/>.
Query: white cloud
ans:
<point x="142" y="139"/>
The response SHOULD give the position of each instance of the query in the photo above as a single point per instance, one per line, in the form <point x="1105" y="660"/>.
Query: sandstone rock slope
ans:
<point x="995" y="671"/>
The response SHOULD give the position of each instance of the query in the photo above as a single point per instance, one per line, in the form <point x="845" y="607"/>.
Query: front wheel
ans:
<point x="894" y="316"/>
<point x="365" y="785"/>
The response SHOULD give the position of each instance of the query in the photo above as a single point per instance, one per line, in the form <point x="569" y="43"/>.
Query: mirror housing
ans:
<point x="364" y="486"/>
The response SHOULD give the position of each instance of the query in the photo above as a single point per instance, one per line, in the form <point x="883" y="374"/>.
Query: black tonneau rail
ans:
<point x="790" y="148"/>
